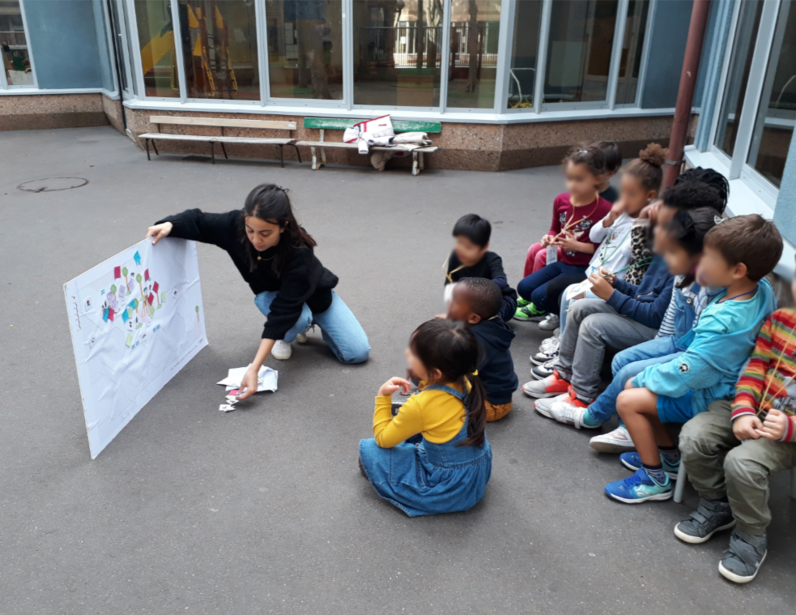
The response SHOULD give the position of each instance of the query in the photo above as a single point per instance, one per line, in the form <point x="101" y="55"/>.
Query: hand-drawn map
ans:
<point x="136" y="320"/>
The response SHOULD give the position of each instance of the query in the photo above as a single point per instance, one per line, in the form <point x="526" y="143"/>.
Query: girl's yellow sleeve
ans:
<point x="389" y="430"/>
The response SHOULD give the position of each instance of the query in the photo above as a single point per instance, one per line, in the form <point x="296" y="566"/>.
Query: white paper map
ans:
<point x="136" y="320"/>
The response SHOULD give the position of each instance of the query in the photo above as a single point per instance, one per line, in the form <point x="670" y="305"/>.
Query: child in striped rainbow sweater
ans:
<point x="758" y="430"/>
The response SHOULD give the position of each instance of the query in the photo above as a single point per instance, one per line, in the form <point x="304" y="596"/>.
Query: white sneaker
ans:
<point x="550" y="323"/>
<point x="566" y="411"/>
<point x="301" y="338"/>
<point x="550" y="344"/>
<point x="617" y="441"/>
<point x="542" y="406"/>
<point x="281" y="350"/>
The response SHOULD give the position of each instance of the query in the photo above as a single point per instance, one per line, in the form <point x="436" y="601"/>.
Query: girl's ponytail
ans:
<point x="475" y="404"/>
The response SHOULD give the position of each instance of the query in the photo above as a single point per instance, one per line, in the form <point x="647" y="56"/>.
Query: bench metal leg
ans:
<point x="146" y="141"/>
<point x="224" y="149"/>
<point x="282" y="155"/>
<point x="298" y="153"/>
<point x="212" y="152"/>
<point x="155" y="145"/>
<point x="679" y="486"/>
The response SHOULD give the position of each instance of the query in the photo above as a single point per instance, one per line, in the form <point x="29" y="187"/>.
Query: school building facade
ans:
<point x="513" y="82"/>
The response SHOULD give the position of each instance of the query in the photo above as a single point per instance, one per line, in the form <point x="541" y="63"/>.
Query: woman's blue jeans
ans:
<point x="339" y="327"/>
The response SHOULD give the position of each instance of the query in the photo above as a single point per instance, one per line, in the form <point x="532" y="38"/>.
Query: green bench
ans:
<point x="328" y="123"/>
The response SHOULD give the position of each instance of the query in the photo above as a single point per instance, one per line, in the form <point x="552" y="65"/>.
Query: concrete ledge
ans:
<point x="53" y="111"/>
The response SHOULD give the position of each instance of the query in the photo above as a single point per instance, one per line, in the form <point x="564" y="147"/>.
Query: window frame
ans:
<point x="4" y="85"/>
<point x="736" y="166"/>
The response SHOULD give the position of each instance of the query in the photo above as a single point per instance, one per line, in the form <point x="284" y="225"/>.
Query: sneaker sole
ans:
<point x="547" y="327"/>
<point x="672" y="475"/>
<point x="697" y="540"/>
<point x="735" y="578"/>
<point x="650" y="498"/>
<point x="531" y="319"/>
<point x="611" y="447"/>
<point x="538" y="377"/>
<point x="542" y="395"/>
<point x="536" y="361"/>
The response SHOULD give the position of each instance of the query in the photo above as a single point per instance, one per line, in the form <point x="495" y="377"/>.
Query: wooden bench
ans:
<point x="327" y="123"/>
<point x="221" y="123"/>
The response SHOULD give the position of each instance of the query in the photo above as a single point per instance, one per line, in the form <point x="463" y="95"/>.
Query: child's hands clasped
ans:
<point x="547" y="240"/>
<point x="601" y="287"/>
<point x="394" y="384"/>
<point x="774" y="426"/>
<point x="566" y="241"/>
<point x="747" y="427"/>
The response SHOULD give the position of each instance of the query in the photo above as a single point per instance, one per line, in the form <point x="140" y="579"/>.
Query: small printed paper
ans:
<point x="552" y="255"/>
<point x="577" y="289"/>
<point x="267" y="378"/>
<point x="226" y="408"/>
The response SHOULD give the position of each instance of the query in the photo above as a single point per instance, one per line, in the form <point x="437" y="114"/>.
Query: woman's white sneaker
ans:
<point x="616" y="441"/>
<point x="281" y="350"/>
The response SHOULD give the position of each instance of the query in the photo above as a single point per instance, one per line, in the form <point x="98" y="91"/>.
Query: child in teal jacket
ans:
<point x="737" y="254"/>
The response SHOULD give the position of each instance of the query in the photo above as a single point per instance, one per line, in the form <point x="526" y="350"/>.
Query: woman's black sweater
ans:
<point x="303" y="280"/>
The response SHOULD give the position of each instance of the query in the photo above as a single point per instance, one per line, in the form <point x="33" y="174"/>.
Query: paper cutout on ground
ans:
<point x="123" y="362"/>
<point x="266" y="378"/>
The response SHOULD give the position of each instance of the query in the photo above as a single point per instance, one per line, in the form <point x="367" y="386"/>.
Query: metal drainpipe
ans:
<point x="685" y="95"/>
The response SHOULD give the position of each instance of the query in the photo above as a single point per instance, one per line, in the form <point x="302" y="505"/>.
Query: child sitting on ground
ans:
<point x="471" y="258"/>
<point x="738" y="253"/>
<point x="574" y="213"/>
<point x="641" y="180"/>
<point x="477" y="301"/>
<point x="612" y="156"/>
<point x="734" y="490"/>
<point x="448" y="461"/>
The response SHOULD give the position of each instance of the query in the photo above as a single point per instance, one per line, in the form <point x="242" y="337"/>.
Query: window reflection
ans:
<point x="738" y="75"/>
<point x="14" y="45"/>
<point x="397" y="52"/>
<point x="475" y="31"/>
<point x="305" y="48"/>
<point x="632" y="46"/>
<point x="156" y="38"/>
<point x="524" y="52"/>
<point x="776" y="115"/>
<point x="579" y="50"/>
<point x="219" y="49"/>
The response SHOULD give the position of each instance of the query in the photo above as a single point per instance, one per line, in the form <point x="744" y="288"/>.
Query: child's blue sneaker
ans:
<point x="632" y="462"/>
<point x="638" y="488"/>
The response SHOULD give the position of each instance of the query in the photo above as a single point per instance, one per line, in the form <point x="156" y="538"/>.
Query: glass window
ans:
<point x="156" y="38"/>
<point x="397" y="50"/>
<point x="738" y="75"/>
<point x="579" y="50"/>
<point x="475" y="30"/>
<point x="123" y="62"/>
<point x="776" y="114"/>
<point x="14" y="45"/>
<point x="524" y="52"/>
<point x="632" y="46"/>
<point x="219" y="49"/>
<point x="305" y="48"/>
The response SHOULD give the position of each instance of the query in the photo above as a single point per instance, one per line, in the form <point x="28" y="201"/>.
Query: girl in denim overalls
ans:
<point x="433" y="456"/>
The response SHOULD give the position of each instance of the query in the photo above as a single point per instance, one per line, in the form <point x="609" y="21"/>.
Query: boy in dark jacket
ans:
<point x="471" y="258"/>
<point x="478" y="301"/>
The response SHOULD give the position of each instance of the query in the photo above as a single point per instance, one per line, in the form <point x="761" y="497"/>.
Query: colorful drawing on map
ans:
<point x="128" y="343"/>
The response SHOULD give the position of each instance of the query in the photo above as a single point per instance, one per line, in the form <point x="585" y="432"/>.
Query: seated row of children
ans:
<point x="671" y="286"/>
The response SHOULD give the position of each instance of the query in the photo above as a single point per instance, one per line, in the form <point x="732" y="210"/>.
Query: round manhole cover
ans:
<point x="52" y="184"/>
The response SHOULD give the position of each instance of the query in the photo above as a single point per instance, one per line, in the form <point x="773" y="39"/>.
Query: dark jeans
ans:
<point x="556" y="288"/>
<point x="534" y="287"/>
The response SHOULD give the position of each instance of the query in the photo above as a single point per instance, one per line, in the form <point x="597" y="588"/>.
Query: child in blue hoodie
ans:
<point x="478" y="301"/>
<point x="716" y="350"/>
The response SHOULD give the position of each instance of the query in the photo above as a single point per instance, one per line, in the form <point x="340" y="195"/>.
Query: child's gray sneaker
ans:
<point x="711" y="516"/>
<point x="742" y="561"/>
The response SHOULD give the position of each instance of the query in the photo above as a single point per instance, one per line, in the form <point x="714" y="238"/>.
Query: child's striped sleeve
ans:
<point x="749" y="390"/>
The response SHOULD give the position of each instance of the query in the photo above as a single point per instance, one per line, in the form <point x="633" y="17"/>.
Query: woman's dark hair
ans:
<point x="271" y="204"/>
<point x="688" y="229"/>
<point x="452" y="348"/>
<point x="612" y="153"/>
<point x="647" y="168"/>
<point x="712" y="178"/>
<point x="475" y="228"/>
<point x="590" y="155"/>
